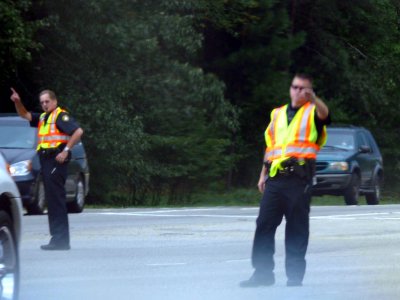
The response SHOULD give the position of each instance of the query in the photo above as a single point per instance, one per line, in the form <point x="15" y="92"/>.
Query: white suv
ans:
<point x="10" y="233"/>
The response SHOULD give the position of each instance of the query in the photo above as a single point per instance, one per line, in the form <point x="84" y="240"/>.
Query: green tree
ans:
<point x="154" y="122"/>
<point x="352" y="48"/>
<point x="248" y="44"/>
<point x="17" y="43"/>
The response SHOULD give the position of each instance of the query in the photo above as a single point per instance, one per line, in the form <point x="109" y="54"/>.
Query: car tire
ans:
<point x="79" y="200"/>
<point x="374" y="198"/>
<point x="352" y="192"/>
<point x="39" y="201"/>
<point x="9" y="259"/>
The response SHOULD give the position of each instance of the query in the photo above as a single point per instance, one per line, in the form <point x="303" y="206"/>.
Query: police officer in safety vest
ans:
<point x="293" y="137"/>
<point x="57" y="134"/>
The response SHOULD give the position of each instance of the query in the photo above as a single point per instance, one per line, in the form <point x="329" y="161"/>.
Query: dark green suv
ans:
<point x="350" y="165"/>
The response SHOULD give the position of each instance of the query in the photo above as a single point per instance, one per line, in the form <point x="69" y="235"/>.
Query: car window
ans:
<point x="367" y="140"/>
<point x="363" y="140"/>
<point x="340" y="140"/>
<point x="17" y="137"/>
<point x="372" y="142"/>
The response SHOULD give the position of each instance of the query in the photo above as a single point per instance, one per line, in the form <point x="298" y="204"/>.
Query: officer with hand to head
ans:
<point x="293" y="137"/>
<point x="57" y="135"/>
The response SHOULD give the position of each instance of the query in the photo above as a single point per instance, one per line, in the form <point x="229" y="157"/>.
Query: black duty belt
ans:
<point x="48" y="152"/>
<point x="298" y="167"/>
<point x="287" y="171"/>
<point x="303" y="168"/>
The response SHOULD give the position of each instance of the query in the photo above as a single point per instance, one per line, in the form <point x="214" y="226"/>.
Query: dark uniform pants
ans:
<point x="283" y="196"/>
<point x="54" y="177"/>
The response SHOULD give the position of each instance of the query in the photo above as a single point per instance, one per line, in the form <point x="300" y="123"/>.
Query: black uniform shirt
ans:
<point x="65" y="123"/>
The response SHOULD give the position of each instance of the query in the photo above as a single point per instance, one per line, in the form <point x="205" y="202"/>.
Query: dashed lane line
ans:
<point x="166" y="264"/>
<point x="173" y="214"/>
<point x="177" y="215"/>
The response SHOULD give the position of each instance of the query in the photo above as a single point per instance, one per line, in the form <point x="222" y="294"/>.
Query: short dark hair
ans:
<point x="304" y="76"/>
<point x="52" y="95"/>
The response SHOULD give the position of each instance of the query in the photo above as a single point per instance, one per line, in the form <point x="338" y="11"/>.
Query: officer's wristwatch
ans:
<point x="66" y="149"/>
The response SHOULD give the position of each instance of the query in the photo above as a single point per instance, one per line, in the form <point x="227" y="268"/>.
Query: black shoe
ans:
<point x="258" y="280"/>
<point x="51" y="246"/>
<point x="293" y="283"/>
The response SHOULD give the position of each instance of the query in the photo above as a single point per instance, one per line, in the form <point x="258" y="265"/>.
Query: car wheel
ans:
<point x="352" y="192"/>
<point x="79" y="200"/>
<point x="39" y="202"/>
<point x="373" y="198"/>
<point x="9" y="260"/>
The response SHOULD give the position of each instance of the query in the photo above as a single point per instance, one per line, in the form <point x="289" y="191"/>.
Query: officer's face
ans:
<point x="48" y="104"/>
<point x="299" y="91"/>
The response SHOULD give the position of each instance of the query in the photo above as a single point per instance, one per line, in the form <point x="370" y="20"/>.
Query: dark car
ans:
<point x="10" y="234"/>
<point x="350" y="165"/>
<point x="18" y="145"/>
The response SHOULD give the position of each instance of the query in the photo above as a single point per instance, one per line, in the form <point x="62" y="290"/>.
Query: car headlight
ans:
<point x="21" y="168"/>
<point x="339" y="166"/>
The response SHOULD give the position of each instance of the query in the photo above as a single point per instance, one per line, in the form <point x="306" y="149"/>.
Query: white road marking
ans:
<point x="183" y="263"/>
<point x="349" y="216"/>
<point x="238" y="260"/>
<point x="176" y="210"/>
<point x="172" y="213"/>
<point x="166" y="264"/>
<point x="174" y="216"/>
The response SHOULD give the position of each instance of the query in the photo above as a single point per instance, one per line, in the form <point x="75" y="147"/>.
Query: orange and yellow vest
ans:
<point x="48" y="134"/>
<point x="299" y="139"/>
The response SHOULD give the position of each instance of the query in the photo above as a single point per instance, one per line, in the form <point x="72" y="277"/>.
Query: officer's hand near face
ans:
<point x="321" y="108"/>
<point x="309" y="94"/>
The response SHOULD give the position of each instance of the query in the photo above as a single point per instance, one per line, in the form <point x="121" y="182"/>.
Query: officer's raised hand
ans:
<point x="21" y="110"/>
<point x="14" y="96"/>
<point x="309" y="95"/>
<point x="322" y="109"/>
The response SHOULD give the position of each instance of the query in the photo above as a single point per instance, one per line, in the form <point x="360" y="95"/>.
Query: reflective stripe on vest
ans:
<point x="271" y="129"/>
<point x="48" y="134"/>
<point x="293" y="151"/>
<point x="304" y="128"/>
<point x="298" y="139"/>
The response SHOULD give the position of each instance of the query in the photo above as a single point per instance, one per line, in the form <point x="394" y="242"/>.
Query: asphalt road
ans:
<point x="203" y="253"/>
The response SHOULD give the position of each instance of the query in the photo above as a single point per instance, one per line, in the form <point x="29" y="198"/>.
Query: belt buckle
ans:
<point x="47" y="152"/>
<point x="287" y="171"/>
<point x="284" y="171"/>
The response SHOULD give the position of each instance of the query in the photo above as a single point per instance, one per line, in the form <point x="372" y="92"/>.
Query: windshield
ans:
<point x="17" y="137"/>
<point x="340" y="140"/>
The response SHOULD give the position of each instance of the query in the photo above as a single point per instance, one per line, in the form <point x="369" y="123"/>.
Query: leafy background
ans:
<point x="174" y="96"/>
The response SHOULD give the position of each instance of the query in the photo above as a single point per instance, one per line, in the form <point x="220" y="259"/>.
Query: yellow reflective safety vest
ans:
<point x="48" y="133"/>
<point x="299" y="139"/>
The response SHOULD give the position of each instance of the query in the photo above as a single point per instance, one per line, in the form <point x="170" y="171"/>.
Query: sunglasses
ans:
<point x="298" y="87"/>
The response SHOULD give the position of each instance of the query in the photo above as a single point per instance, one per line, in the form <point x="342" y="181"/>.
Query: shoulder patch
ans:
<point x="65" y="118"/>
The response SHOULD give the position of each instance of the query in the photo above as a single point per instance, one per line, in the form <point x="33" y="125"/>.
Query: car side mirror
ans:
<point x="364" y="149"/>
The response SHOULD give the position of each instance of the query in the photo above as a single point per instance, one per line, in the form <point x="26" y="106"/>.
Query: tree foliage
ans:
<point x="17" y="39"/>
<point x="249" y="45"/>
<point x="175" y="95"/>
<point x="353" y="51"/>
<point x="154" y="122"/>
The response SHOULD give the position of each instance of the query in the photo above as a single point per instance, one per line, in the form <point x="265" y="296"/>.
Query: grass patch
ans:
<point x="250" y="197"/>
<point x="387" y="198"/>
<point x="236" y="197"/>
